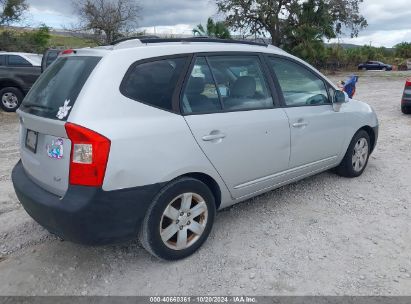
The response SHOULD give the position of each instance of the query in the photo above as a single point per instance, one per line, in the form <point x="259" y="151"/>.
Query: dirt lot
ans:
<point x="325" y="235"/>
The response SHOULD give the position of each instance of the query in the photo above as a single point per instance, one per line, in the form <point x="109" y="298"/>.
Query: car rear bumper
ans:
<point x="86" y="215"/>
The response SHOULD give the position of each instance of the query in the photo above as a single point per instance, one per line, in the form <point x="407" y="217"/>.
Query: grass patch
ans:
<point x="70" y="42"/>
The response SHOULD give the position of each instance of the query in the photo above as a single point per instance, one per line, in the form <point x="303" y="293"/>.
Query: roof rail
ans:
<point x="129" y="43"/>
<point x="199" y="39"/>
<point x="134" y="38"/>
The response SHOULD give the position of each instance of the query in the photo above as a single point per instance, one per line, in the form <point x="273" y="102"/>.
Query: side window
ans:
<point x="228" y="83"/>
<point x="241" y="82"/>
<point x="300" y="87"/>
<point x="2" y="60"/>
<point x="15" y="60"/>
<point x="153" y="82"/>
<point x="200" y="94"/>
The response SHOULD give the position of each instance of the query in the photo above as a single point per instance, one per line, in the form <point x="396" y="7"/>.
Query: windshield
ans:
<point x="55" y="92"/>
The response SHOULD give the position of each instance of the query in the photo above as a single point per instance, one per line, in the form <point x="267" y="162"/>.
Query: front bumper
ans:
<point x="376" y="130"/>
<point x="86" y="215"/>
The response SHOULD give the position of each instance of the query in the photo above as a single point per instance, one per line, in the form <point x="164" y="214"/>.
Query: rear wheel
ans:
<point x="364" y="69"/>
<point x="179" y="219"/>
<point x="356" y="158"/>
<point x="10" y="99"/>
<point x="406" y="110"/>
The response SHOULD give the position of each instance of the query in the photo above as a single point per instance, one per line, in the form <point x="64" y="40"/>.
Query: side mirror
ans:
<point x="340" y="97"/>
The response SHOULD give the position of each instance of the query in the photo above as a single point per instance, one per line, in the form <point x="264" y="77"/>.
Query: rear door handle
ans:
<point x="300" y="124"/>
<point x="213" y="136"/>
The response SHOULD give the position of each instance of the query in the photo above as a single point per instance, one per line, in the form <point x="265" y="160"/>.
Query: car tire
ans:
<point x="405" y="110"/>
<point x="169" y="231"/>
<point x="10" y="99"/>
<point x="385" y="69"/>
<point x="364" y="69"/>
<point x="356" y="158"/>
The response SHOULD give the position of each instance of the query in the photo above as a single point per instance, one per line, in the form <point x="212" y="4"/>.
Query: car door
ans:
<point x="317" y="131"/>
<point x="238" y="127"/>
<point x="23" y="69"/>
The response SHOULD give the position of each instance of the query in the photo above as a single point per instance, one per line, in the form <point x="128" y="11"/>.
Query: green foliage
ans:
<point x="278" y="17"/>
<point x="339" y="58"/>
<point x="38" y="39"/>
<point x="311" y="22"/>
<point x="403" y="50"/>
<point x="214" y="29"/>
<point x="35" y="41"/>
<point x="11" y="10"/>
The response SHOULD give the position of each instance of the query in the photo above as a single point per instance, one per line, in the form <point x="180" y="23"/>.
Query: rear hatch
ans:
<point x="44" y="144"/>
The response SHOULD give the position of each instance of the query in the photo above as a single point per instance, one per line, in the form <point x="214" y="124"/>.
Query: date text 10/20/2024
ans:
<point x="205" y="299"/>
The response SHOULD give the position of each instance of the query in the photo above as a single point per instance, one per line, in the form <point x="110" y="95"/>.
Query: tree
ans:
<point x="403" y="50"/>
<point x="11" y="10"/>
<point x="214" y="29"/>
<point x="273" y="16"/>
<point x="305" y="28"/>
<point x="108" y="19"/>
<point x="40" y="38"/>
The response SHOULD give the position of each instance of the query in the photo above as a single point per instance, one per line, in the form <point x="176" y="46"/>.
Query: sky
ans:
<point x="389" y="20"/>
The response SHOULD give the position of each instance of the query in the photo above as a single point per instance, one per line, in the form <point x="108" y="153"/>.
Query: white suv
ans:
<point x="150" y="137"/>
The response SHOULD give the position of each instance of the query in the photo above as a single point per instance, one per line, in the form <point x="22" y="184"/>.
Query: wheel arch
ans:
<point x="5" y="83"/>
<point x="371" y="133"/>
<point x="210" y="182"/>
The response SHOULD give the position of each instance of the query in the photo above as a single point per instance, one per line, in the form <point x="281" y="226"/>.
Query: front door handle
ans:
<point x="300" y="124"/>
<point x="213" y="136"/>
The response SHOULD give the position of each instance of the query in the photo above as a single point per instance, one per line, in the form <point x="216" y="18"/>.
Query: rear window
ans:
<point x="55" y="92"/>
<point x="153" y="82"/>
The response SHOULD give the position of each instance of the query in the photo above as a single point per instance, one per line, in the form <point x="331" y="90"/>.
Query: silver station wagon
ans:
<point x="149" y="137"/>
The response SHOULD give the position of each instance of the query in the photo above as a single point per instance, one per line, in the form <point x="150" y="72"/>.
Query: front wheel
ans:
<point x="356" y="158"/>
<point x="11" y="99"/>
<point x="179" y="219"/>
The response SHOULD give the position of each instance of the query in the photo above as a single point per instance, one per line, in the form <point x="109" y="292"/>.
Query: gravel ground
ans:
<point x="325" y="235"/>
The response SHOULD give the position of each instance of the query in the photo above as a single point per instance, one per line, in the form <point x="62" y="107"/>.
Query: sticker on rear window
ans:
<point x="55" y="149"/>
<point x="63" y="111"/>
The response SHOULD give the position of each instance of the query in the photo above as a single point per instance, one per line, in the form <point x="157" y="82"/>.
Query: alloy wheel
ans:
<point x="360" y="154"/>
<point x="183" y="221"/>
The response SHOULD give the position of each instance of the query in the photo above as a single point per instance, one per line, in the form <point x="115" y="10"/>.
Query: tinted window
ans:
<point x="51" y="56"/>
<point x="15" y="60"/>
<point x="59" y="85"/>
<point x="300" y="87"/>
<point x="200" y="94"/>
<point x="2" y="60"/>
<point x="240" y="81"/>
<point x="154" y="82"/>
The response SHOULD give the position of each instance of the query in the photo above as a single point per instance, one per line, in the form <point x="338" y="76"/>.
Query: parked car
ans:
<point x="49" y="57"/>
<point x="18" y="72"/>
<point x="375" y="65"/>
<point x="406" y="98"/>
<point x="150" y="137"/>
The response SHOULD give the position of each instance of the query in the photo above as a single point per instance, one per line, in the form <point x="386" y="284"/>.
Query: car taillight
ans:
<point x="89" y="155"/>
<point x="67" y="52"/>
<point x="408" y="82"/>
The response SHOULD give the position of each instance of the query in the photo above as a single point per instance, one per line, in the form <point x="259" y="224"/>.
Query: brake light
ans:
<point x="67" y="52"/>
<point x="408" y="82"/>
<point x="89" y="155"/>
